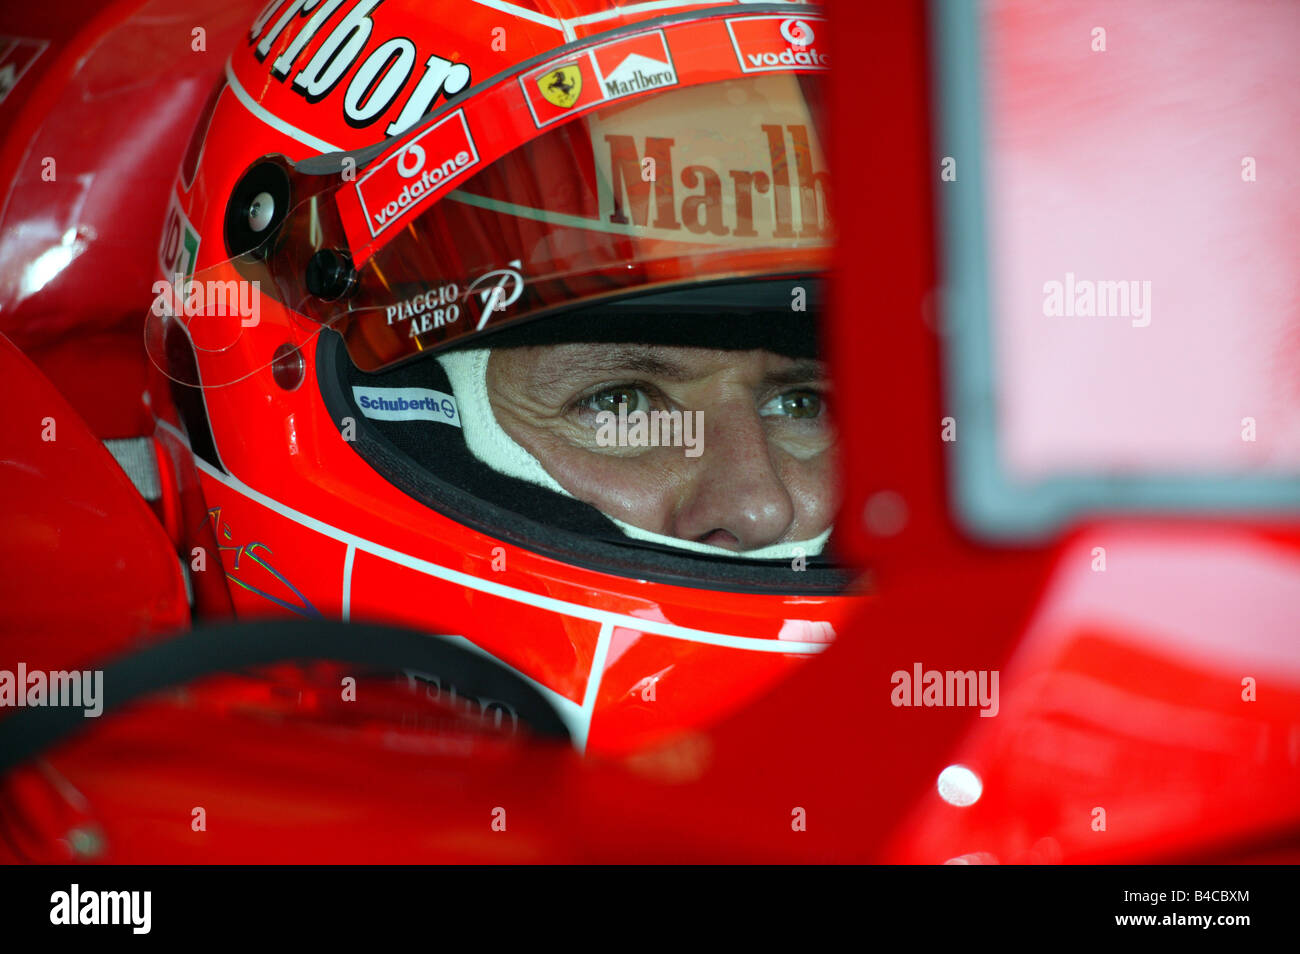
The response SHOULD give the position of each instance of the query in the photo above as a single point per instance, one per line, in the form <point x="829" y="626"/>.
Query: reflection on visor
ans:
<point x="666" y="158"/>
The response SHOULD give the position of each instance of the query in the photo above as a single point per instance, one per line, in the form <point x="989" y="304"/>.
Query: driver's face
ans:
<point x="766" y="471"/>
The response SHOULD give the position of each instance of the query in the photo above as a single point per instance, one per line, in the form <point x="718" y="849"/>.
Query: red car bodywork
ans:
<point x="1137" y="710"/>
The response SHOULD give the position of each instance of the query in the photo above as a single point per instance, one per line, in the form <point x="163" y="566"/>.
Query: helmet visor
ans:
<point x="682" y="155"/>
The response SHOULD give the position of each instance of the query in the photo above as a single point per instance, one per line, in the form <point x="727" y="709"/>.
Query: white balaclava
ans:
<point x="488" y="441"/>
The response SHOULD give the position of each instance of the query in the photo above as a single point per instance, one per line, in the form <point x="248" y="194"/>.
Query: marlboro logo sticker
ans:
<point x="406" y="179"/>
<point x="607" y="72"/>
<point x="763" y="44"/>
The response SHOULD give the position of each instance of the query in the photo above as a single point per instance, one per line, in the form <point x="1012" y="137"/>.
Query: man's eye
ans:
<point x="801" y="404"/>
<point x="611" y="398"/>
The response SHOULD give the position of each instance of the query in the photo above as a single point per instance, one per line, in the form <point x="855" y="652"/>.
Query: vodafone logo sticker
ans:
<point x="606" y="72"/>
<point x="797" y="32"/>
<point x="410" y="176"/>
<point x="777" y="43"/>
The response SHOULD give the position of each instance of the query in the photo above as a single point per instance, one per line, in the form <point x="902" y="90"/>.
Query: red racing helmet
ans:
<point x="380" y="191"/>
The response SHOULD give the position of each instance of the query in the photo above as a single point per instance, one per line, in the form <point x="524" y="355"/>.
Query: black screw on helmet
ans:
<point x="256" y="209"/>
<point x="330" y="274"/>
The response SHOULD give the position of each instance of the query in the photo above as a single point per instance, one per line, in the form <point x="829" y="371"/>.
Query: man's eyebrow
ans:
<point x="644" y="361"/>
<point x="805" y="372"/>
<point x="611" y="360"/>
<point x="620" y="360"/>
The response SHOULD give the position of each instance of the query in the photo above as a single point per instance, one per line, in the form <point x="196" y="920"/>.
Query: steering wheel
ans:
<point x="209" y="650"/>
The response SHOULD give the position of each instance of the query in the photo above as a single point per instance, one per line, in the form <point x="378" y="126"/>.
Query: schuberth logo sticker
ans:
<point x="408" y="177"/>
<point x="407" y="404"/>
<point x="777" y="43"/>
<point x="603" y="73"/>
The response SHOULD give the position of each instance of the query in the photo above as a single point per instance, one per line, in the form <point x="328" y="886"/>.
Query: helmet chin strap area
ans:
<point x="488" y="441"/>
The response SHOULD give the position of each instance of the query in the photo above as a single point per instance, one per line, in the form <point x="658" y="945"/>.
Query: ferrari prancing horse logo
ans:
<point x="561" y="86"/>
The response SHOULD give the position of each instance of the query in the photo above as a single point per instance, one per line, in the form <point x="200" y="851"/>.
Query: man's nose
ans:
<point x="735" y="497"/>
